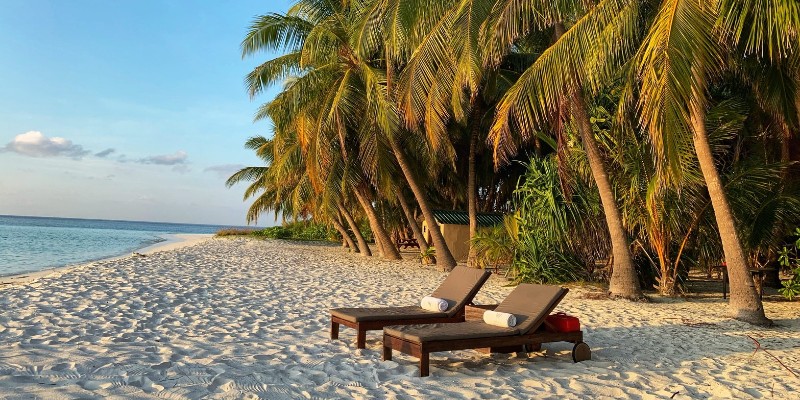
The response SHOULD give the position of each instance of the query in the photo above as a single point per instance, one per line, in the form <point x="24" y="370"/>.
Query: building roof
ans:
<point x="453" y="217"/>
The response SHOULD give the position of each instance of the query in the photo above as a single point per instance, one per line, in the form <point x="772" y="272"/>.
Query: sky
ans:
<point x="131" y="110"/>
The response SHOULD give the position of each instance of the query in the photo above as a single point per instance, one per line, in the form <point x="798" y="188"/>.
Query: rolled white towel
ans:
<point x="433" y="304"/>
<point x="501" y="319"/>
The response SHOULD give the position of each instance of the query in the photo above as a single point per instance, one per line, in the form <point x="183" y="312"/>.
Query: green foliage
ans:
<point x="234" y="232"/>
<point x="308" y="231"/>
<point x="428" y="256"/>
<point x="497" y="246"/>
<point x="546" y="220"/>
<point x="789" y="257"/>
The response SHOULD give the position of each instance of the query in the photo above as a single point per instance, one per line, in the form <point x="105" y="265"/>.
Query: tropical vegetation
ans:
<point x="305" y="230"/>
<point x="658" y="136"/>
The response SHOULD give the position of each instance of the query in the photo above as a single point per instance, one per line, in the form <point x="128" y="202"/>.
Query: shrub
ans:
<point x="235" y="232"/>
<point x="497" y="246"/>
<point x="428" y="256"/>
<point x="546" y="221"/>
<point x="302" y="230"/>
<point x="790" y="258"/>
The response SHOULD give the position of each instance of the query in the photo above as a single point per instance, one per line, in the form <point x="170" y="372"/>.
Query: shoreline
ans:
<point x="170" y="242"/>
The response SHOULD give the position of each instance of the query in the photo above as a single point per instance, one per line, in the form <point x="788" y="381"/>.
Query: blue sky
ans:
<point x="127" y="109"/>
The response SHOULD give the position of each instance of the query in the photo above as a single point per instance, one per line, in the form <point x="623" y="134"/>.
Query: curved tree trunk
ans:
<point x="363" y="247"/>
<point x="624" y="282"/>
<point x="444" y="258"/>
<point x="381" y="237"/>
<point x="379" y="244"/>
<point x="744" y="302"/>
<point x="343" y="231"/>
<point x="472" y="184"/>
<point x="401" y="197"/>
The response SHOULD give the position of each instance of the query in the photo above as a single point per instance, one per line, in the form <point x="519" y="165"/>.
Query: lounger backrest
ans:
<point x="460" y="287"/>
<point x="531" y="304"/>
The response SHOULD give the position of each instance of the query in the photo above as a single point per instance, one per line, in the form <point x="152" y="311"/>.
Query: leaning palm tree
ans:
<point x="384" y="28"/>
<point x="547" y="87"/>
<point x="323" y="95"/>
<point x="319" y="38"/>
<point x="278" y="186"/>
<point x="436" y="50"/>
<point x="683" y="52"/>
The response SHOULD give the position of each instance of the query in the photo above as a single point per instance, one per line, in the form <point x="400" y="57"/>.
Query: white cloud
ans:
<point x="179" y="157"/>
<point x="224" y="170"/>
<point x="36" y="144"/>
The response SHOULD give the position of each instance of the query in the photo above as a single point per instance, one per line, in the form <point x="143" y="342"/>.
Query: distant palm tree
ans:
<point x="443" y="87"/>
<point x="329" y="89"/>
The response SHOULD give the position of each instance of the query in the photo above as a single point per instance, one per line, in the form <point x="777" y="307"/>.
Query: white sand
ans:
<point x="237" y="318"/>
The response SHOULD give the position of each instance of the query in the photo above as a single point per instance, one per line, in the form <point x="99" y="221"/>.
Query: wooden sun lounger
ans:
<point x="530" y="303"/>
<point x="459" y="288"/>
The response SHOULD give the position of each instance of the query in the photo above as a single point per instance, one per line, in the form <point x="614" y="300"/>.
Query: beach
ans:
<point x="247" y="318"/>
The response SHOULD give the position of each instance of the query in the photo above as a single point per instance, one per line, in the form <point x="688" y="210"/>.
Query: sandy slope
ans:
<point x="236" y="318"/>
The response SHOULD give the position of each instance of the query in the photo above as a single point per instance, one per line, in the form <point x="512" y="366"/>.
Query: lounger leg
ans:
<point x="387" y="353"/>
<point x="533" y="347"/>
<point x="424" y="364"/>
<point x="361" y="339"/>
<point x="334" y="330"/>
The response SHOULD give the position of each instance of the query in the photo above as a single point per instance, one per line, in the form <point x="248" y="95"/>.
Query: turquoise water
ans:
<point x="30" y="244"/>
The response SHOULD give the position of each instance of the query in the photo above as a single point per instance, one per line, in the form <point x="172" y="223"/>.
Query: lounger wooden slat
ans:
<point x="419" y="341"/>
<point x="459" y="288"/>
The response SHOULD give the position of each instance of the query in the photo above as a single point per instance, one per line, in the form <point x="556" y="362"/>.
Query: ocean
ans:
<point x="29" y="244"/>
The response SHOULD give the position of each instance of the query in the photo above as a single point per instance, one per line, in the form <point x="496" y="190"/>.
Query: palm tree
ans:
<point x="443" y="80"/>
<point x="280" y="186"/>
<point x="537" y="95"/>
<point x="384" y="28"/>
<point x="679" y="58"/>
<point x="328" y="89"/>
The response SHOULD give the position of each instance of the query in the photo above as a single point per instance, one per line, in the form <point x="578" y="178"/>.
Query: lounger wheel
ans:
<point x="581" y="352"/>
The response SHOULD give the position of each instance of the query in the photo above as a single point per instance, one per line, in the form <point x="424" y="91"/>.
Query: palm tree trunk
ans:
<point x="472" y="184"/>
<point x="378" y="244"/>
<point x="401" y="197"/>
<point x="363" y="247"/>
<point x="444" y="258"/>
<point x="343" y="231"/>
<point x="381" y="237"/>
<point x="624" y="282"/>
<point x="744" y="302"/>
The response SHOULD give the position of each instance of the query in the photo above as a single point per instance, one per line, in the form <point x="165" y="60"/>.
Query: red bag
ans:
<point x="561" y="322"/>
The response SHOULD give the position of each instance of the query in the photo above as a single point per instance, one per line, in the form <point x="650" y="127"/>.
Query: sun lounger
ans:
<point x="459" y="288"/>
<point x="531" y="304"/>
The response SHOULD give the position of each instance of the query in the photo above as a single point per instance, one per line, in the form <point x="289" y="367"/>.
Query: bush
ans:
<point x="545" y="224"/>
<point x="790" y="258"/>
<point x="235" y="232"/>
<point x="497" y="246"/>
<point x="303" y="230"/>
